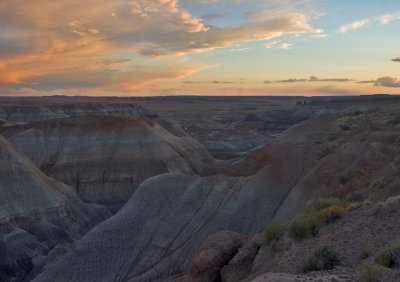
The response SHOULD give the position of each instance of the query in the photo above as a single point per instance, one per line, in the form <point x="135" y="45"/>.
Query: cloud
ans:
<point x="82" y="43"/>
<point x="314" y="79"/>
<point x="385" y="81"/>
<point x="212" y="17"/>
<point x="354" y="25"/>
<point x="385" y="19"/>
<point x="278" y="44"/>
<point x="110" y="79"/>
<point x="239" y="49"/>
<point x="291" y="80"/>
<point x="388" y="81"/>
<point x="396" y="60"/>
<point x="366" y="81"/>
<point x="208" y="82"/>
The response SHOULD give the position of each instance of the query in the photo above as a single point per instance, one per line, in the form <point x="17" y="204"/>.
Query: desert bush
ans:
<point x="324" y="203"/>
<point x="363" y="138"/>
<point x="356" y="197"/>
<point x="304" y="226"/>
<point x="273" y="231"/>
<point x="389" y="256"/>
<point x="372" y="272"/>
<point x="325" y="150"/>
<point x="331" y="214"/>
<point x="345" y="127"/>
<point x="322" y="211"/>
<point x="321" y="258"/>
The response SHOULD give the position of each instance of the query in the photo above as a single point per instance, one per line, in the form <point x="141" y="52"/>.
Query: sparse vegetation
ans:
<point x="325" y="150"/>
<point x="389" y="256"/>
<point x="322" y="258"/>
<point x="324" y="203"/>
<point x="331" y="214"/>
<point x="304" y="226"/>
<point x="377" y="183"/>
<point x="273" y="231"/>
<point x="372" y="272"/>
<point x="356" y="197"/>
<point x="332" y="136"/>
<point x="362" y="138"/>
<point x="321" y="212"/>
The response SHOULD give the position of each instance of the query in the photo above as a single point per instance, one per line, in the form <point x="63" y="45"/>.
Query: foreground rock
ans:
<point x="215" y="252"/>
<point x="224" y="256"/>
<point x="36" y="213"/>
<point x="104" y="158"/>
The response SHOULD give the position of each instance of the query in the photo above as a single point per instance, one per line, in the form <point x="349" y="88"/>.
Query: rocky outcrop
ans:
<point x="38" y="111"/>
<point x="104" y="158"/>
<point x="36" y="213"/>
<point x="240" y="265"/>
<point x="224" y="256"/>
<point x="213" y="254"/>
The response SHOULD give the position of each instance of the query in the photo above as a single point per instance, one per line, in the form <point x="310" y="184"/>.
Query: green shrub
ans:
<point x="322" y="211"/>
<point x="273" y="231"/>
<point x="331" y="214"/>
<point x="304" y="226"/>
<point x="321" y="258"/>
<point x="389" y="256"/>
<point x="324" y="203"/>
<point x="362" y="138"/>
<point x="372" y="272"/>
<point x="356" y="197"/>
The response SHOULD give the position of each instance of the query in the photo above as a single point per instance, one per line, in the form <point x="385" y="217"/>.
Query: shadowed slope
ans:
<point x="36" y="213"/>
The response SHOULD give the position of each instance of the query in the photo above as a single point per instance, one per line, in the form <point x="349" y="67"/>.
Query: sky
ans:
<point x="199" y="47"/>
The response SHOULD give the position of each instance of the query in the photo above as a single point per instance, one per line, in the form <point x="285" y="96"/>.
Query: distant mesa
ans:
<point x="37" y="111"/>
<point x="397" y="60"/>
